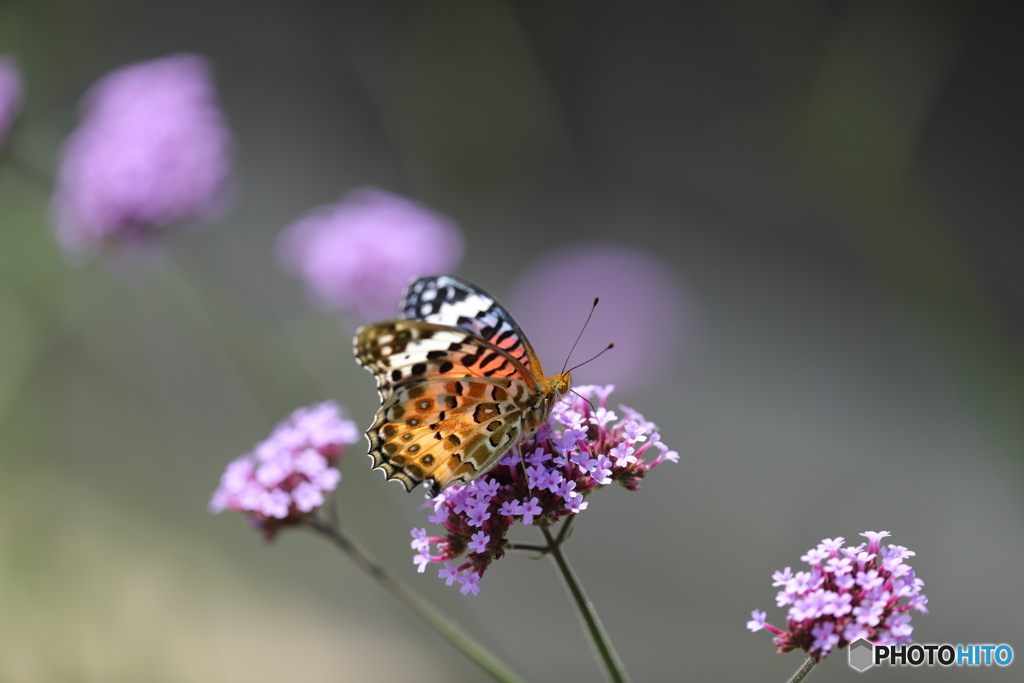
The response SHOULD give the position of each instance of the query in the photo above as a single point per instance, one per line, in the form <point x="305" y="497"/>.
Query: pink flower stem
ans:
<point x="588" y="615"/>
<point x="430" y="614"/>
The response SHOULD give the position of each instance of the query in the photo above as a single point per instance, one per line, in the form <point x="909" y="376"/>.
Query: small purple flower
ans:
<point x="783" y="577"/>
<point x="468" y="581"/>
<point x="875" y="540"/>
<point x="507" y="508"/>
<point x="486" y="487"/>
<point x="477" y="515"/>
<point x="476" y="518"/>
<point x="757" y="622"/>
<point x="479" y="542"/>
<point x="602" y="470"/>
<point x="153" y="150"/>
<point x="419" y="539"/>
<point x="576" y="503"/>
<point x="536" y="477"/>
<point x="838" y="565"/>
<point x="824" y="638"/>
<point x="528" y="509"/>
<point x="285" y="477"/>
<point x="832" y="545"/>
<point x="449" y="573"/>
<point x="623" y="454"/>
<point x="357" y="255"/>
<point x="538" y="457"/>
<point x="10" y="96"/>
<point x="835" y="604"/>
<point x="565" y="490"/>
<point x="815" y="556"/>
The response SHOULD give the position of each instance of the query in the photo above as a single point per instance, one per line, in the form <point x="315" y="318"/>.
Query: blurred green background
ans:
<point x="836" y="187"/>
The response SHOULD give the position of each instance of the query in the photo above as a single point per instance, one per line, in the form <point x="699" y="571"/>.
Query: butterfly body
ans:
<point x="458" y="381"/>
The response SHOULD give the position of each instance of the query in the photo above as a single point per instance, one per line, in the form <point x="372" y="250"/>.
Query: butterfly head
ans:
<point x="561" y="383"/>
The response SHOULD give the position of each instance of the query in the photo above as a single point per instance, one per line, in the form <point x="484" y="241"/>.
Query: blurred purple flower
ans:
<point x="152" y="150"/>
<point x="863" y="591"/>
<point x="541" y="480"/>
<point x="10" y="95"/>
<point x="642" y="310"/>
<point x="286" y="476"/>
<point x="357" y="255"/>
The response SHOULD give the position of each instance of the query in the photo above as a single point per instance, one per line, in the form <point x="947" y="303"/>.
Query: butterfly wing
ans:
<point x="449" y="300"/>
<point x="452" y="402"/>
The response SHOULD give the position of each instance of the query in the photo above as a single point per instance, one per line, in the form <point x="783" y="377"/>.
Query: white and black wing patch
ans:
<point x="448" y="300"/>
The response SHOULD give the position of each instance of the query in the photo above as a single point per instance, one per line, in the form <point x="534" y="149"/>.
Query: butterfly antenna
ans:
<point x="580" y="336"/>
<point x="589" y="402"/>
<point x="607" y="348"/>
<point x="522" y="461"/>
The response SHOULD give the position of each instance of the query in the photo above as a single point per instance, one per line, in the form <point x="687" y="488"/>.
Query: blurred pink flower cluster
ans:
<point x="658" y="334"/>
<point x="152" y="150"/>
<point x="10" y="96"/>
<point x="358" y="255"/>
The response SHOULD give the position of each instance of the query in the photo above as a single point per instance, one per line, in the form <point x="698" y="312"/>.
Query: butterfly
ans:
<point x="459" y="384"/>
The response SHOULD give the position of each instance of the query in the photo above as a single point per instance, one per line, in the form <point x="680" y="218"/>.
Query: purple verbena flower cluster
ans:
<point x="10" y="95"/>
<point x="286" y="476"/>
<point x="358" y="255"/>
<point x="864" y="591"/>
<point x="152" y="150"/>
<point x="540" y="481"/>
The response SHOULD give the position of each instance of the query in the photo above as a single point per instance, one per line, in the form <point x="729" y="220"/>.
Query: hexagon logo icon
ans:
<point x="861" y="654"/>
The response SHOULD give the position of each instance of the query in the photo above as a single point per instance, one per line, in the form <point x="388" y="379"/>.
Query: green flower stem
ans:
<point x="430" y="614"/>
<point x="802" y="672"/>
<point x="530" y="548"/>
<point x="598" y="638"/>
<point x="564" y="532"/>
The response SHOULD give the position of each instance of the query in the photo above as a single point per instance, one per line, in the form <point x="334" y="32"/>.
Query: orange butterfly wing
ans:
<point x="453" y="399"/>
